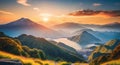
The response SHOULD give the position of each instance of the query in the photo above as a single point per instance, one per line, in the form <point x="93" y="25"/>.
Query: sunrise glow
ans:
<point x="57" y="11"/>
<point x="45" y="19"/>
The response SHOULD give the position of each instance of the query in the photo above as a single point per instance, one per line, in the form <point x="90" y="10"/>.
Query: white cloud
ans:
<point x="97" y="4"/>
<point x="23" y="2"/>
<point x="6" y="12"/>
<point x="36" y="9"/>
<point x="69" y="43"/>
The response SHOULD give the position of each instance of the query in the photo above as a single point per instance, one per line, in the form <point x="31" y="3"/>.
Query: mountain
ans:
<point x="64" y="46"/>
<point x="85" y="38"/>
<point x="111" y="26"/>
<point x="68" y="27"/>
<point x="28" y="46"/>
<point x="71" y="29"/>
<point x="3" y="35"/>
<point x="24" y="25"/>
<point x="106" y="36"/>
<point x="10" y="45"/>
<point x="14" y="46"/>
<point x="51" y="50"/>
<point x="106" y="52"/>
<point x="77" y="27"/>
<point x="78" y="32"/>
<point x="115" y="26"/>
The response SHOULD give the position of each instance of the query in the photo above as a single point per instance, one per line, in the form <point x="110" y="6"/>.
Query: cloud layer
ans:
<point x="112" y="13"/>
<point x="23" y="2"/>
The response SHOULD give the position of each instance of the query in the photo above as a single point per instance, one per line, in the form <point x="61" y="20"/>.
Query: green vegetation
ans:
<point x="66" y="64"/>
<point x="35" y="53"/>
<point x="109" y="51"/>
<point x="51" y="50"/>
<point x="113" y="62"/>
<point x="37" y="48"/>
<point x="14" y="46"/>
<point x="9" y="45"/>
<point x="27" y="64"/>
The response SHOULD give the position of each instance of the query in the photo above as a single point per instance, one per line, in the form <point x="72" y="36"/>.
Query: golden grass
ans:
<point x="33" y="61"/>
<point x="81" y="63"/>
<point x="113" y="62"/>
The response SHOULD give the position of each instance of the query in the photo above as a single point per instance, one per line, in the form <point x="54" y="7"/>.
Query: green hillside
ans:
<point x="51" y="50"/>
<point x="14" y="46"/>
<point x="109" y="51"/>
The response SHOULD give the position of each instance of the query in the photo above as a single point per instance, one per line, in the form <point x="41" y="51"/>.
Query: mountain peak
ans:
<point x="24" y="20"/>
<point x="88" y="38"/>
<point x="85" y="32"/>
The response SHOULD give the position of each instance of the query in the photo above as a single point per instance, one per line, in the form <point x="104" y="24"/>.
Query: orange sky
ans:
<point x="51" y="12"/>
<point x="55" y="19"/>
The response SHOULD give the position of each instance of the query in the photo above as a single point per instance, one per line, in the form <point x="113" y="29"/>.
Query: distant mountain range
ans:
<point x="24" y="25"/>
<point x="106" y="36"/>
<point x="68" y="29"/>
<point x="70" y="26"/>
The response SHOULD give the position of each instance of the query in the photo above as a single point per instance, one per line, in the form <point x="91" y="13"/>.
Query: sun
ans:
<point x="45" y="16"/>
<point x="45" y="19"/>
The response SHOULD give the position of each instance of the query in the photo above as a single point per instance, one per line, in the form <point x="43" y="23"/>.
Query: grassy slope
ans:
<point x="26" y="60"/>
<point x="113" y="62"/>
<point x="34" y="61"/>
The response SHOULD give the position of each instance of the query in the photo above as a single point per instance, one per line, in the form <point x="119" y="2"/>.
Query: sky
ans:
<point x="55" y="11"/>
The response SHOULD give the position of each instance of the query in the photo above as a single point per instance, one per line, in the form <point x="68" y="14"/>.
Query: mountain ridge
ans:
<point x="27" y="26"/>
